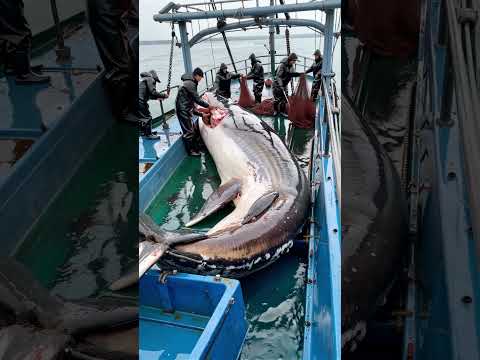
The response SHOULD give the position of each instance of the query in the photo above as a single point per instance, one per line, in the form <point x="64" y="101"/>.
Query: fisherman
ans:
<point x="110" y="22"/>
<point x="223" y="81"/>
<point x="147" y="91"/>
<point x="187" y="97"/>
<point x="16" y="43"/>
<point x="256" y="73"/>
<point x="284" y="73"/>
<point x="316" y="69"/>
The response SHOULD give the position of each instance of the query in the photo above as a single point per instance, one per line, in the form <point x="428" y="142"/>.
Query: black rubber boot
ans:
<point x="24" y="74"/>
<point x="190" y="146"/>
<point x="146" y="129"/>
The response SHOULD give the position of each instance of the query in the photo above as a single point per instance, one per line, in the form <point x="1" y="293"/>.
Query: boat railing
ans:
<point x="167" y="106"/>
<point x="332" y="146"/>
<point x="325" y="232"/>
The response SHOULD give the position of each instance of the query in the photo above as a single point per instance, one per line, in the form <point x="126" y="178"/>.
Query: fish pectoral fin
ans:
<point x="260" y="206"/>
<point x="217" y="200"/>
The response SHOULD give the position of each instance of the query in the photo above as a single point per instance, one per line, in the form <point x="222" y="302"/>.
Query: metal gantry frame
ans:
<point x="259" y="16"/>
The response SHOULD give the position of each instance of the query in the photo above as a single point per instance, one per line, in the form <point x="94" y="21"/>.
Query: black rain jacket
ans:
<point x="188" y="96"/>
<point x="256" y="72"/>
<point x="284" y="74"/>
<point x="147" y="91"/>
<point x="315" y="68"/>
<point x="223" y="82"/>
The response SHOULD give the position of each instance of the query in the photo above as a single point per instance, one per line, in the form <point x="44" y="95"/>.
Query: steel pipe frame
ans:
<point x="271" y="40"/>
<point x="187" y="57"/>
<point x="249" y="23"/>
<point x="248" y="12"/>
<point x="209" y="3"/>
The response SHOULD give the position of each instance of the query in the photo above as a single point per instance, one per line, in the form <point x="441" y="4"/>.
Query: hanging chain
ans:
<point x="287" y="39"/>
<point x="170" y="65"/>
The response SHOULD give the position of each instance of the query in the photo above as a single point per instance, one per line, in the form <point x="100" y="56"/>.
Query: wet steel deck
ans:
<point x="28" y="112"/>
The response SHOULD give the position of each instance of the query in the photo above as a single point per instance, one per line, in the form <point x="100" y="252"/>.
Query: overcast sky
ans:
<point x="152" y="30"/>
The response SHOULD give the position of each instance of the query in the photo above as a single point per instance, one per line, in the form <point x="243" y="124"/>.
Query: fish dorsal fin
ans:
<point x="217" y="200"/>
<point x="260" y="206"/>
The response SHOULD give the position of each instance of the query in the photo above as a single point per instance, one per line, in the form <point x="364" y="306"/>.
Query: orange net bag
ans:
<point x="301" y="109"/>
<point x="264" y="108"/>
<point x="246" y="99"/>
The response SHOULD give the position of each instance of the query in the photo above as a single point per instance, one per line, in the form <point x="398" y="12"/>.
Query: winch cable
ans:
<point x="287" y="40"/>
<point x="170" y="64"/>
<point x="220" y="24"/>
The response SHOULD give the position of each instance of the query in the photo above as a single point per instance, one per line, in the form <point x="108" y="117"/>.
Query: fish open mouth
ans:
<point x="214" y="117"/>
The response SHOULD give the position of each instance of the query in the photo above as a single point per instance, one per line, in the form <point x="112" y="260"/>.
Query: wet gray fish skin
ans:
<point x="246" y="148"/>
<point x="374" y="226"/>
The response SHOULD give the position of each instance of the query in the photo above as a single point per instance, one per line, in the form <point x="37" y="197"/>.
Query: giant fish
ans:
<point x="267" y="186"/>
<point x="373" y="224"/>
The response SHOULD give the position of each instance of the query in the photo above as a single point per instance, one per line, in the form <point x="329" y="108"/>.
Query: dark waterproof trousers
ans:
<point x="190" y="131"/>
<point x="279" y="98"/>
<point x="144" y="119"/>
<point x="317" y="82"/>
<point x="257" y="90"/>
<point x="109" y="25"/>
<point x="224" y="93"/>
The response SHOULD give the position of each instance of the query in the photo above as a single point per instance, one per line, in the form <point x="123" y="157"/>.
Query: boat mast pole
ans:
<point x="271" y="30"/>
<point x="328" y="47"/>
<point x="187" y="57"/>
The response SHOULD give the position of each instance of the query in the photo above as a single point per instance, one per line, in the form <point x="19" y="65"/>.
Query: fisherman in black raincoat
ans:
<point x="256" y="73"/>
<point x="316" y="69"/>
<point x="16" y="43"/>
<point x="223" y="81"/>
<point x="284" y="73"/>
<point x="187" y="97"/>
<point x="147" y="91"/>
